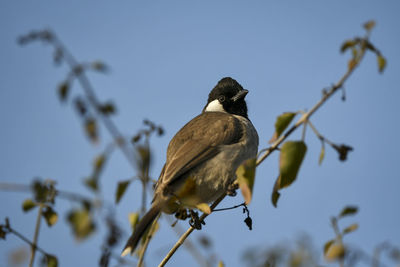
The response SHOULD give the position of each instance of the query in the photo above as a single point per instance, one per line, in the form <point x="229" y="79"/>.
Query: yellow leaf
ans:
<point x="204" y="208"/>
<point x="335" y="252"/>
<point x="221" y="264"/>
<point x="350" y="228"/>
<point x="50" y="216"/>
<point x="133" y="219"/>
<point x="28" y="204"/>
<point x="381" y="63"/>
<point x="245" y="174"/>
<point x="327" y="245"/>
<point x="369" y="25"/>
<point x="282" y="122"/>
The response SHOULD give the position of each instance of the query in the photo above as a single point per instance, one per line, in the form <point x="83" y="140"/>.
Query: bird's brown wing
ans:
<point x="197" y="142"/>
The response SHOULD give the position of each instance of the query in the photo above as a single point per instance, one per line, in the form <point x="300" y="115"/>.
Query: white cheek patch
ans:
<point x="215" y="106"/>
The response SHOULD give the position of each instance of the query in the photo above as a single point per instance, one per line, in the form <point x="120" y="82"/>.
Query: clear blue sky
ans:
<point x="165" y="56"/>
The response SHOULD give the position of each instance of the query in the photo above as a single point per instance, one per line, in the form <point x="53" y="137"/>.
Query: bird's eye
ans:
<point x="221" y="98"/>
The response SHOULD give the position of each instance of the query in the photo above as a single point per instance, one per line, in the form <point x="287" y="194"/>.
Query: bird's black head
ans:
<point x="227" y="96"/>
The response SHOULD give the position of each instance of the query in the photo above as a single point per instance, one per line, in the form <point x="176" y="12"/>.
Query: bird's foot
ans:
<point x="231" y="191"/>
<point x="182" y="214"/>
<point x="195" y="220"/>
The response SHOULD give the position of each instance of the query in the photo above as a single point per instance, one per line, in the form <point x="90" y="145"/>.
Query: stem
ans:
<point x="276" y="144"/>
<point x="26" y="240"/>
<point x="36" y="235"/>
<point x="188" y="232"/>
<point x="91" y="96"/>
<point x="308" y="114"/>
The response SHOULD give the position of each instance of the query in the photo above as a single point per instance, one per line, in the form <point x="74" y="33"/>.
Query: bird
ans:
<point x="203" y="156"/>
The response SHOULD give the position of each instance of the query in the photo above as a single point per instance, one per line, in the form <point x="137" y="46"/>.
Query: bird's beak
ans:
<point x="240" y="95"/>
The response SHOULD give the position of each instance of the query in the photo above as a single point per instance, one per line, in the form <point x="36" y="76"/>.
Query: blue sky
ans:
<point x="164" y="59"/>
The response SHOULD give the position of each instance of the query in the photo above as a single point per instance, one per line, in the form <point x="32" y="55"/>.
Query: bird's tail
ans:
<point x="141" y="228"/>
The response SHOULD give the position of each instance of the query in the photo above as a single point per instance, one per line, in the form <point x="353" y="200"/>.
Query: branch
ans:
<point x="305" y="117"/>
<point x="13" y="187"/>
<point x="188" y="232"/>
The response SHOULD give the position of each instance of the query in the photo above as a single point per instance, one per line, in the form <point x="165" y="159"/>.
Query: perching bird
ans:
<point x="203" y="156"/>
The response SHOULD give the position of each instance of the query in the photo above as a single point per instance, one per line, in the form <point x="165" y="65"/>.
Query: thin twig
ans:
<point x="26" y="240"/>
<point x="276" y="144"/>
<point x="13" y="187"/>
<point x="91" y="96"/>
<point x="36" y="235"/>
<point x="188" y="232"/>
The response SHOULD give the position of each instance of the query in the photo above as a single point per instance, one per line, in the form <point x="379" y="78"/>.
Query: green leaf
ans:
<point x="121" y="188"/>
<point x="28" y="204"/>
<point x="350" y="228"/>
<point x="82" y="223"/>
<point x="347" y="44"/>
<point x="63" y="90"/>
<point x="282" y="122"/>
<point x="348" y="210"/>
<point x="51" y="260"/>
<point x="369" y="25"/>
<point x="291" y="157"/>
<point x="98" y="163"/>
<point x="92" y="183"/>
<point x="245" y="174"/>
<point x="381" y="63"/>
<point x="327" y="245"/>
<point x="50" y="216"/>
<point x="321" y="155"/>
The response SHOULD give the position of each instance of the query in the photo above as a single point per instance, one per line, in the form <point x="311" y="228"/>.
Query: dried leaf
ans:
<point x="63" y="90"/>
<point x="99" y="66"/>
<point x="348" y="210"/>
<point x="350" y="228"/>
<point x="28" y="204"/>
<point x="282" y="122"/>
<point x="245" y="178"/>
<point x="121" y="188"/>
